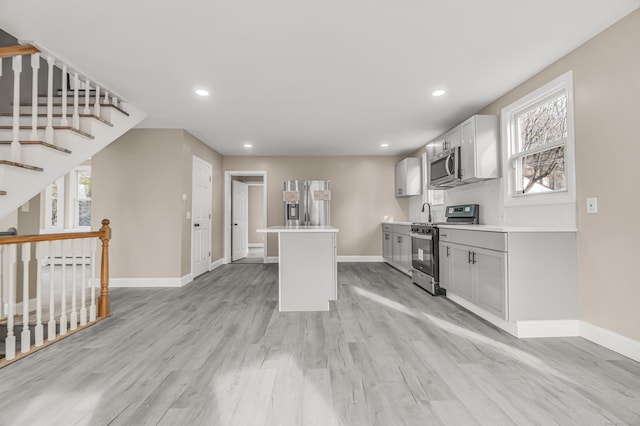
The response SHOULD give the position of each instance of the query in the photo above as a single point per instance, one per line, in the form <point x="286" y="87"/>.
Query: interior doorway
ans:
<point x="245" y="212"/>
<point x="201" y="196"/>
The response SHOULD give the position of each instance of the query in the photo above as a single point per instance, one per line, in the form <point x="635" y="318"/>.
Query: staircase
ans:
<point x="56" y="130"/>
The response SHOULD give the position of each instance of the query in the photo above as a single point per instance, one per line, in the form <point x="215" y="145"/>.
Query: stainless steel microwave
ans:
<point x="444" y="169"/>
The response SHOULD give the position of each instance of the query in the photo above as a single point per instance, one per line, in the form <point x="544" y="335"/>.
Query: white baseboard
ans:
<point x="558" y="328"/>
<point x="144" y="282"/>
<point x="216" y="264"/>
<point x="186" y="279"/>
<point x="611" y="340"/>
<point x="550" y="328"/>
<point x="510" y="328"/>
<point x="255" y="245"/>
<point x="360" y="259"/>
<point x="274" y="259"/>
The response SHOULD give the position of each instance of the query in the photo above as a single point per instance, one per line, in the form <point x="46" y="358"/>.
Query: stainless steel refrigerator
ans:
<point x="307" y="202"/>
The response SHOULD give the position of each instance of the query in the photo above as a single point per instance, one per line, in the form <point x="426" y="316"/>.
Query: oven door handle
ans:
<point x="421" y="236"/>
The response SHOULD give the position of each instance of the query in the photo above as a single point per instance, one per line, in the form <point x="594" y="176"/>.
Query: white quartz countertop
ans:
<point x="397" y="223"/>
<point x="501" y="228"/>
<point x="277" y="229"/>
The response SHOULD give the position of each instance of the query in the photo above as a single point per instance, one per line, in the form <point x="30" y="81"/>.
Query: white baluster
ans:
<point x="10" y="341"/>
<point x="87" y="88"/>
<point x="63" y="301"/>
<point x="25" y="337"/>
<point x="63" y="120"/>
<point x="51" y="330"/>
<point x="92" y="306"/>
<point x="15" y="143"/>
<point x="106" y="97"/>
<point x="84" y="244"/>
<point x="48" y="133"/>
<point x="42" y="251"/>
<point x="74" y="314"/>
<point x="114" y="101"/>
<point x="96" y="108"/>
<point x="76" y="89"/>
<point x="35" y="66"/>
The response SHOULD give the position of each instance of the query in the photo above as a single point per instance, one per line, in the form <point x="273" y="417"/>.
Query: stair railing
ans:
<point x="73" y="248"/>
<point x="69" y="75"/>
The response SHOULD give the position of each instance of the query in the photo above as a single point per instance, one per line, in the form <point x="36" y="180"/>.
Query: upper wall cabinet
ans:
<point x="478" y="155"/>
<point x="479" y="149"/>
<point x="408" y="177"/>
<point x="449" y="140"/>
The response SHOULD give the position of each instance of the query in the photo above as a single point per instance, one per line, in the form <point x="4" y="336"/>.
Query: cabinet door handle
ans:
<point x="447" y="251"/>
<point x="399" y="239"/>
<point x="474" y="257"/>
<point x="469" y="257"/>
<point x="386" y="236"/>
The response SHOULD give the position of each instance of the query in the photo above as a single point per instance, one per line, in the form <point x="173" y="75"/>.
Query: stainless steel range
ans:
<point x="424" y="245"/>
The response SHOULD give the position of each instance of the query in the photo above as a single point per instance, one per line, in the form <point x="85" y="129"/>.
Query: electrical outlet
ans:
<point x="592" y="205"/>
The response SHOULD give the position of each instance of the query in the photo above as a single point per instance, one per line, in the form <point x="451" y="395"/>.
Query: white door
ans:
<point x="239" y="220"/>
<point x="201" y="217"/>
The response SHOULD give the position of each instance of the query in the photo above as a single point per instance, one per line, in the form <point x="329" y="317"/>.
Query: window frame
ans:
<point x="430" y="194"/>
<point x="511" y="154"/>
<point x="74" y="199"/>
<point x="48" y="196"/>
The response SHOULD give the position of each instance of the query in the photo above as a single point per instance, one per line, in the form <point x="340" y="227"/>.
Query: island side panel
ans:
<point x="306" y="270"/>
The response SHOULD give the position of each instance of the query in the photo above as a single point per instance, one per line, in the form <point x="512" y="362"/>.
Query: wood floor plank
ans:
<point x="218" y="352"/>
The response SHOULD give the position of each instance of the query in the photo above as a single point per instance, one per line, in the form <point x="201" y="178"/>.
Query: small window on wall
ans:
<point x="54" y="205"/>
<point x="539" y="152"/>
<point x="81" y="196"/>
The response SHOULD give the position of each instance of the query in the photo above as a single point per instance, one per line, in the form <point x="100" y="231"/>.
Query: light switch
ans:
<point x="188" y="215"/>
<point x="592" y="205"/>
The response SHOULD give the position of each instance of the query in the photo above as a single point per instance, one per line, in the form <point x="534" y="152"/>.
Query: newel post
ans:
<point x="103" y="300"/>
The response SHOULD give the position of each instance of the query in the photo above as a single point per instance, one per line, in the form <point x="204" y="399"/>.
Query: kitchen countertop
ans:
<point x="504" y="228"/>
<point x="277" y="229"/>
<point x="397" y="223"/>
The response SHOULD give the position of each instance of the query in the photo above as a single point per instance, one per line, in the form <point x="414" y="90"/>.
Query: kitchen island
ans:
<point x="307" y="267"/>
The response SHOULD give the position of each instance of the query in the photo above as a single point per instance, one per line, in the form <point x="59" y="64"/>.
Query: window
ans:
<point x="539" y="154"/>
<point x="433" y="196"/>
<point x="81" y="196"/>
<point x="54" y="205"/>
<point x="75" y="196"/>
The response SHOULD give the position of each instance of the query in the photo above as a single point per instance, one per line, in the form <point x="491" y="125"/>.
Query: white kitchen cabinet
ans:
<point x="408" y="177"/>
<point x="475" y="273"/>
<point x="445" y="266"/>
<point x="452" y="138"/>
<point x="462" y="271"/>
<point x="479" y="148"/>
<point x="511" y="277"/>
<point x="402" y="251"/>
<point x="490" y="277"/>
<point x="396" y="246"/>
<point x="387" y="246"/>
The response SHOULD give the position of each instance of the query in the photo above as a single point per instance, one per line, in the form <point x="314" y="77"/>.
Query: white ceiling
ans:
<point x="330" y="77"/>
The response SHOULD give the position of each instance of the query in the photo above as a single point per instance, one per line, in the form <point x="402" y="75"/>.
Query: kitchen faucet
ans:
<point x="427" y="204"/>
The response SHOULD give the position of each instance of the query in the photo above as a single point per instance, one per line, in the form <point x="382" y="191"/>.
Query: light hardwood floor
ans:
<point x="218" y="352"/>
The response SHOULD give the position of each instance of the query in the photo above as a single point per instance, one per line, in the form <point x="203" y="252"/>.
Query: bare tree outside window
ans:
<point x="543" y="170"/>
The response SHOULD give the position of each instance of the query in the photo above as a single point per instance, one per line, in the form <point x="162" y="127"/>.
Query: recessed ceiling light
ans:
<point x="248" y="145"/>
<point x="202" y="92"/>
<point x="384" y="145"/>
<point x="438" y="92"/>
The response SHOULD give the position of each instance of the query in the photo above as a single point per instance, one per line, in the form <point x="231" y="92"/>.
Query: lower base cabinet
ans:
<point x="515" y="276"/>
<point x="396" y="246"/>
<point x="476" y="274"/>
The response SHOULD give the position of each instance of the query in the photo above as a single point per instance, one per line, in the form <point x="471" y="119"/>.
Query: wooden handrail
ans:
<point x="104" y="234"/>
<point x="20" y="49"/>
